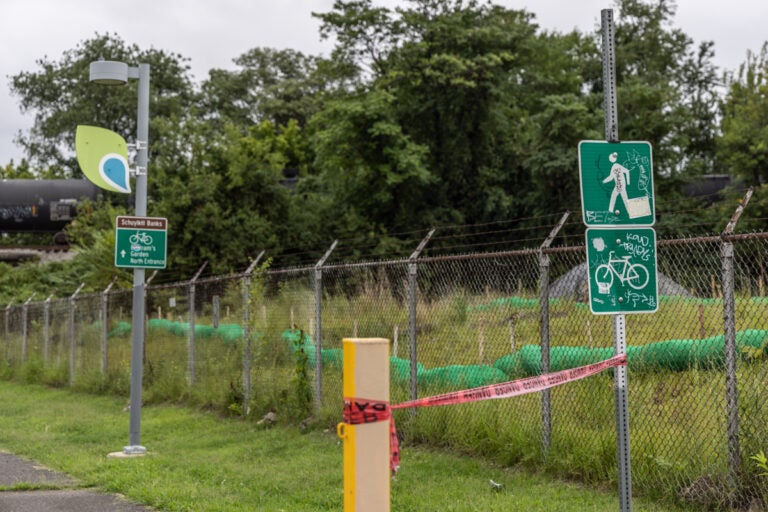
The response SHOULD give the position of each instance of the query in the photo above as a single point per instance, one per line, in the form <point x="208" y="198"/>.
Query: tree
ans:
<point x="374" y="173"/>
<point x="271" y="85"/>
<point x="221" y="190"/>
<point x="743" y="145"/>
<point x="15" y="172"/>
<point x="61" y="97"/>
<point x="474" y="85"/>
<point x="667" y="91"/>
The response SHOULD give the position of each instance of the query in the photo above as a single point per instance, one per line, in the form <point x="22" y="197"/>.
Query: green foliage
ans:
<point x="667" y="92"/>
<point x="59" y="279"/>
<point x="372" y="170"/>
<point x="61" y="97"/>
<point x="761" y="461"/>
<point x="92" y="236"/>
<point x="222" y="193"/>
<point x="302" y="386"/>
<point x="435" y="113"/>
<point x="15" y="172"/>
<point x="279" y="86"/>
<point x="743" y="146"/>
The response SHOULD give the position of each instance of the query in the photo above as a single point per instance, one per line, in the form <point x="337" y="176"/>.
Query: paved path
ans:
<point x="16" y="473"/>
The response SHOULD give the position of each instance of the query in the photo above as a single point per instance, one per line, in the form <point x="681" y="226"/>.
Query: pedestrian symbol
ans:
<point x="616" y="183"/>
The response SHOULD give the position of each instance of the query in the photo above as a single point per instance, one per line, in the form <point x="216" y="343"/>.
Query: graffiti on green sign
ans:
<point x="617" y="183"/>
<point x="622" y="270"/>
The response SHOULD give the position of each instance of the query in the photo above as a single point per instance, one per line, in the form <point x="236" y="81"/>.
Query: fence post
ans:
<point x="546" y="401"/>
<point x="24" y="315"/>
<point x="47" y="329"/>
<point x="247" y="333"/>
<point x="413" y="269"/>
<point x="729" y="330"/>
<point x="72" y="343"/>
<point x="104" y="327"/>
<point x="191" y="342"/>
<point x="319" y="327"/>
<point x="7" y="328"/>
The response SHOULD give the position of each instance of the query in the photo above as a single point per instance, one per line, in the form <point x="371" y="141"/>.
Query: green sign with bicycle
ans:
<point x="141" y="242"/>
<point x="621" y="265"/>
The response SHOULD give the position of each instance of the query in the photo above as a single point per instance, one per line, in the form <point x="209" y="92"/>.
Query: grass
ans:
<point x="201" y="462"/>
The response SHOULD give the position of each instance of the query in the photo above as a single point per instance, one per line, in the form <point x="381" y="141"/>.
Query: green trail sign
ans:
<point x="621" y="266"/>
<point x="140" y="242"/>
<point x="616" y="183"/>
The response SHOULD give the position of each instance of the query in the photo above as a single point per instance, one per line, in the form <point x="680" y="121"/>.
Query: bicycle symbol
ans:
<point x="635" y="275"/>
<point x="140" y="237"/>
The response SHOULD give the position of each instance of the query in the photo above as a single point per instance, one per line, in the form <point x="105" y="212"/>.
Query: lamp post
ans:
<point x="118" y="73"/>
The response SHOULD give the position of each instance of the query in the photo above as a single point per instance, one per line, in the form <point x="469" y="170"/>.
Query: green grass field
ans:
<point x="201" y="462"/>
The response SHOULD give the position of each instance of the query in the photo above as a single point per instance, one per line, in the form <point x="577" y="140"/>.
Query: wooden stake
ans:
<point x="481" y="341"/>
<point x="512" y="333"/>
<point x="394" y="342"/>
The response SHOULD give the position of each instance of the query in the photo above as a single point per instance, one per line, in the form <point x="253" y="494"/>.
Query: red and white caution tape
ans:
<point x="515" y="387"/>
<point x="360" y="410"/>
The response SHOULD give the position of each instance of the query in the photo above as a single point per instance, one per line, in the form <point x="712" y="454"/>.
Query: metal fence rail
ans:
<point x="269" y="340"/>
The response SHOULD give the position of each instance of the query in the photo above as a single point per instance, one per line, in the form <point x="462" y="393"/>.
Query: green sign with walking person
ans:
<point x="616" y="183"/>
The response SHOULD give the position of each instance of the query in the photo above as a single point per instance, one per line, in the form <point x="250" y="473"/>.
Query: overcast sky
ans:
<point x="212" y="33"/>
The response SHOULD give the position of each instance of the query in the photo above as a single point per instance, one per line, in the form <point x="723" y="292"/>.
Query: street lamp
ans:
<point x="117" y="73"/>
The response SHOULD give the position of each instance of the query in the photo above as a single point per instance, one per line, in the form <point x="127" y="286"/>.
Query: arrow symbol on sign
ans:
<point x="122" y="253"/>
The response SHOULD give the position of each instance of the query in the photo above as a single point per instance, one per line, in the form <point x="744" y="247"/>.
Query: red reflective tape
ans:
<point x="394" y="447"/>
<point x="359" y="411"/>
<point x="515" y="387"/>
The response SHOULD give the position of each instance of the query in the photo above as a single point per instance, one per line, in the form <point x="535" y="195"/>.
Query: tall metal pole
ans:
<point x="413" y="270"/>
<point x="24" y="316"/>
<point x="191" y="363"/>
<point x="137" y="321"/>
<point x="72" y="340"/>
<point x="47" y="329"/>
<point x="7" y="328"/>
<point x="546" y="400"/>
<point x="610" y="104"/>
<point x="247" y="334"/>
<point x="619" y="321"/>
<point x="104" y="326"/>
<point x="319" y="327"/>
<point x="731" y="350"/>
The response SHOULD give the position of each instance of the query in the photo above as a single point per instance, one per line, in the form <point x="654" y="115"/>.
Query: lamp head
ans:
<point x="108" y="72"/>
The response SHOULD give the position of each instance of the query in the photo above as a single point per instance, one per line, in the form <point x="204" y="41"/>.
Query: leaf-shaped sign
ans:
<point x="103" y="157"/>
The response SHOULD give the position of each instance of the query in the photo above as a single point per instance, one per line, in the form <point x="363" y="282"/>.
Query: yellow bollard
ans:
<point x="366" y="445"/>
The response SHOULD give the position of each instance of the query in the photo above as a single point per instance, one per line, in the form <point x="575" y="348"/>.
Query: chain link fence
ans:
<point x="269" y="341"/>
